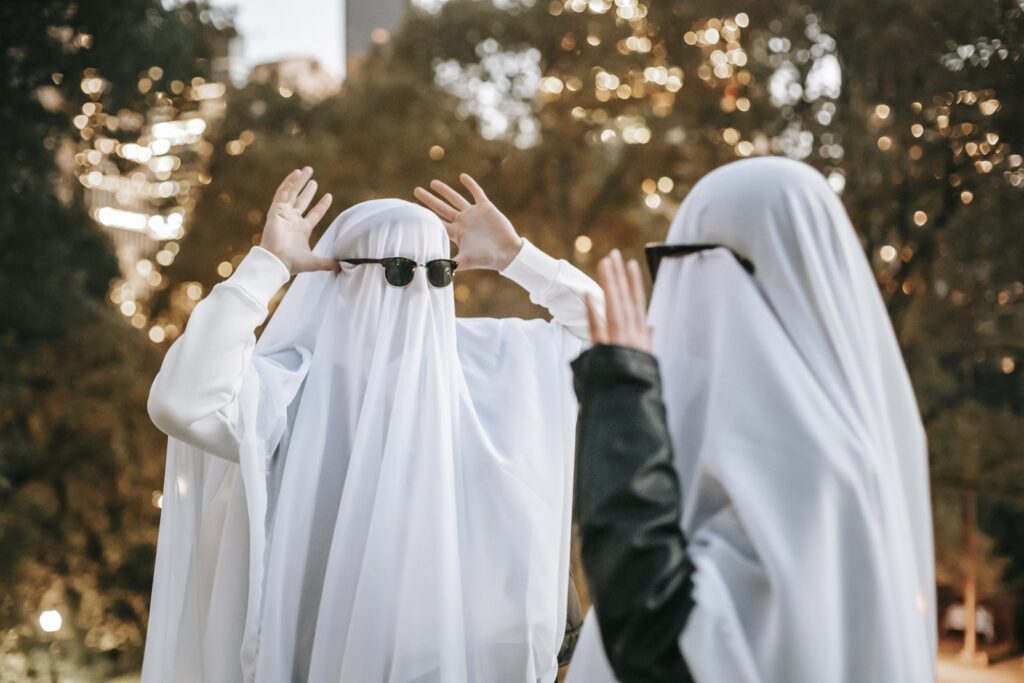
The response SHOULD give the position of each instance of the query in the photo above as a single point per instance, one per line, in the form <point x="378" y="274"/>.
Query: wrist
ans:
<point x="277" y="250"/>
<point x="508" y="252"/>
<point x="261" y="274"/>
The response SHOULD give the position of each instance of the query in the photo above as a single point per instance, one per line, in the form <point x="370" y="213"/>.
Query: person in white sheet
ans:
<point x="375" y="491"/>
<point x="763" y="516"/>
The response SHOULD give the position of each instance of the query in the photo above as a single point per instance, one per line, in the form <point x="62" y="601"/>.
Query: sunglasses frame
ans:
<point x="656" y="251"/>
<point x="384" y="262"/>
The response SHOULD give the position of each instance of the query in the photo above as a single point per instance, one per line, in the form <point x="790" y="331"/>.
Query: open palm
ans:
<point x="484" y="236"/>
<point x="623" y="321"/>
<point x="286" y="233"/>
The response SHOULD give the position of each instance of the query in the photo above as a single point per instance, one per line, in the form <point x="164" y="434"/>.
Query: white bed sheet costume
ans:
<point x="799" y="446"/>
<point x="375" y="491"/>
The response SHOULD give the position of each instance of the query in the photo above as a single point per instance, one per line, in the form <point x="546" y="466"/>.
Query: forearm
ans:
<point x="193" y="397"/>
<point x="628" y="507"/>
<point x="555" y="284"/>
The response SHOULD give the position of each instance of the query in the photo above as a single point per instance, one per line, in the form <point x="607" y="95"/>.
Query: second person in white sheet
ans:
<point x="375" y="491"/>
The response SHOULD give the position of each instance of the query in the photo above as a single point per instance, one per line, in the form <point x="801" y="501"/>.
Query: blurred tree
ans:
<point x="78" y="458"/>
<point x="913" y="113"/>
<point x="588" y="121"/>
<point x="930" y="114"/>
<point x="388" y="130"/>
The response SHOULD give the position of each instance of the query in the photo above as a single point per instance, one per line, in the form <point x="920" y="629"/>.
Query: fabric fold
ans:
<point x="404" y="478"/>
<point x="797" y="441"/>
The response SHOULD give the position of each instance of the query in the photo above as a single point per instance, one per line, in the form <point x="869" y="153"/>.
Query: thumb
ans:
<point x="454" y="233"/>
<point x="316" y="263"/>
<point x="466" y="263"/>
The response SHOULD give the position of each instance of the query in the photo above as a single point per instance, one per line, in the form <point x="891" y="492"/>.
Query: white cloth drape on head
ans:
<point x="400" y="509"/>
<point x="799" y="445"/>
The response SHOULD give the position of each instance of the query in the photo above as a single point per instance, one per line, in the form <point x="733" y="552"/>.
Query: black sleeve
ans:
<point x="628" y="508"/>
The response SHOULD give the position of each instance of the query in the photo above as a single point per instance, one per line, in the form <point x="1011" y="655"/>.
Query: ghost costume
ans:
<point x="375" y="491"/>
<point x="770" y="520"/>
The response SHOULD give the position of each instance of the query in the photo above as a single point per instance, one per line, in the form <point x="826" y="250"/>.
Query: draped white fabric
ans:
<point x="798" y="441"/>
<point x="400" y="510"/>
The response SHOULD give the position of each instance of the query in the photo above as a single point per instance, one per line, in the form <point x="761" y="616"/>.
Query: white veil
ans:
<point x="797" y="438"/>
<point x="406" y="488"/>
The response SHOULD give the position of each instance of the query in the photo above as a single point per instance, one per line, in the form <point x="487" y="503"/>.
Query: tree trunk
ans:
<point x="970" y="515"/>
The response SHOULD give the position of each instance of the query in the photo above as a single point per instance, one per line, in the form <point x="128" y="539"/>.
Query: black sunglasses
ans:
<point x="657" y="251"/>
<point x="398" y="270"/>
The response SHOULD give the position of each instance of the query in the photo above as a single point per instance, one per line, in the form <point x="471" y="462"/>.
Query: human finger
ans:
<point x="454" y="234"/>
<point x="454" y="198"/>
<point x="299" y="182"/>
<point x="318" y="211"/>
<point x="474" y="188"/>
<point x="467" y="261"/>
<point x="623" y="287"/>
<point x="598" y="331"/>
<point x="302" y="201"/>
<point x="627" y="314"/>
<point x="311" y="262"/>
<point x="612" y="298"/>
<point x="283" y="192"/>
<point x="446" y="212"/>
<point x="636" y="290"/>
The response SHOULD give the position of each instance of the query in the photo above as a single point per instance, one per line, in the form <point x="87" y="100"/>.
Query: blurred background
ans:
<point x="140" y="143"/>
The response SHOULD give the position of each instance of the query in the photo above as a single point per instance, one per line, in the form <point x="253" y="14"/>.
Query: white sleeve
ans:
<point x="557" y="285"/>
<point x="194" y="396"/>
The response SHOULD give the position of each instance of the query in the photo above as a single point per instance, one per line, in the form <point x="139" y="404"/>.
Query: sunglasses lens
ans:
<point x="399" y="271"/>
<point x="440" y="272"/>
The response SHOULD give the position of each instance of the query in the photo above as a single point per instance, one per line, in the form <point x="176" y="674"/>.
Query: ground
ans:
<point x="952" y="670"/>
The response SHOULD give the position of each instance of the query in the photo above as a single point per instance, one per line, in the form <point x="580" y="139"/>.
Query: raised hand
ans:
<point x="286" y="233"/>
<point x="625" y="305"/>
<point x="484" y="236"/>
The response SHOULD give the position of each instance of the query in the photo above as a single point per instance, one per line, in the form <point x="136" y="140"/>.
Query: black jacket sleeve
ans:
<point x="628" y="509"/>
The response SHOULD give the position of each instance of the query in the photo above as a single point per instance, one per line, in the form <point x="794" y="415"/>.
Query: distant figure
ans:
<point x="376" y="491"/>
<point x="764" y="517"/>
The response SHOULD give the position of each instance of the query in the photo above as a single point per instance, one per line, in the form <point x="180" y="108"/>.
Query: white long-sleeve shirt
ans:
<point x="194" y="396"/>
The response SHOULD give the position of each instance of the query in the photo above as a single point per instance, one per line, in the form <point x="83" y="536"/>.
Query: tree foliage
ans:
<point x="912" y="110"/>
<point x="78" y="458"/>
<point x="588" y="123"/>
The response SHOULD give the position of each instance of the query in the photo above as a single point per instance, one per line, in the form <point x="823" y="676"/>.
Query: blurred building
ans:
<point x="370" y="22"/>
<point x="139" y="172"/>
<point x="142" y="191"/>
<point x="303" y="76"/>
